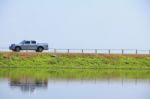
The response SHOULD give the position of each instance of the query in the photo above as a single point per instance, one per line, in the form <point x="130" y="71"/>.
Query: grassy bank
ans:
<point x="49" y="60"/>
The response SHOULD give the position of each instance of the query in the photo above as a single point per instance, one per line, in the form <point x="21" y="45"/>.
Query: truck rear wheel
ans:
<point x="39" y="49"/>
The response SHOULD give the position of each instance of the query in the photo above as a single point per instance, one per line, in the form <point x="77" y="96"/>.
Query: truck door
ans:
<point x="26" y="45"/>
<point x="33" y="45"/>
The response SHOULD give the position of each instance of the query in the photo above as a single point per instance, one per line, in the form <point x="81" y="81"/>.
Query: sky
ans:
<point x="101" y="24"/>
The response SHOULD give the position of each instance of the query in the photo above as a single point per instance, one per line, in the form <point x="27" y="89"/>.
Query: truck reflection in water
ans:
<point x="29" y="85"/>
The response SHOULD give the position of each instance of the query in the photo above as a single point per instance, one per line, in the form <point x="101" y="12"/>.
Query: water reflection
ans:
<point x="28" y="85"/>
<point x="74" y="84"/>
<point x="31" y="84"/>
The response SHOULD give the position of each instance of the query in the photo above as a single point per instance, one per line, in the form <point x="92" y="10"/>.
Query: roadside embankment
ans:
<point x="60" y="60"/>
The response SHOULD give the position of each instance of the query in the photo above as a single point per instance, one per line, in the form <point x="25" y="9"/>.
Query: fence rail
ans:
<point x="92" y="51"/>
<point x="102" y="51"/>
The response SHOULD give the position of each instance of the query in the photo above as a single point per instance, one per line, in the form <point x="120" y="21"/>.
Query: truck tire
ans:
<point x="39" y="49"/>
<point x="17" y="49"/>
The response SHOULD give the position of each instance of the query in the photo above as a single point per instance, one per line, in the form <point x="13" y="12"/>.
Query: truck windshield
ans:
<point x="22" y="42"/>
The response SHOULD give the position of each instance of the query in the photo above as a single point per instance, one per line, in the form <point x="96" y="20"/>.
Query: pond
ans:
<point x="74" y="84"/>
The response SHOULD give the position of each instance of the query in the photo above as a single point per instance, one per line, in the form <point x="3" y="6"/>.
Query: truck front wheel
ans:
<point x="17" y="49"/>
<point x="39" y="49"/>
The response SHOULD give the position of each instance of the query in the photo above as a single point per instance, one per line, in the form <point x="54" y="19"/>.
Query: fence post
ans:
<point x="149" y="52"/>
<point x="68" y="51"/>
<point x="95" y="51"/>
<point x="54" y="50"/>
<point x="136" y="52"/>
<point x="82" y="51"/>
<point x="109" y="51"/>
<point x="122" y="51"/>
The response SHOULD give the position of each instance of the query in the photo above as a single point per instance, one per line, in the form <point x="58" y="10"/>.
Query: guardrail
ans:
<point x="102" y="51"/>
<point x="92" y="51"/>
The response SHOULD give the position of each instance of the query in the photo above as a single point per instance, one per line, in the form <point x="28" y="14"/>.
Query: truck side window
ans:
<point x="27" y="42"/>
<point x="33" y="42"/>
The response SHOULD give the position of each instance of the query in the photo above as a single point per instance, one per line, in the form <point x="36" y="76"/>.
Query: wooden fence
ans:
<point x="92" y="51"/>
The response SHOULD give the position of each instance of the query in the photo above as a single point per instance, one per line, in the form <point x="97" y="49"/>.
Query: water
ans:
<point x="27" y="86"/>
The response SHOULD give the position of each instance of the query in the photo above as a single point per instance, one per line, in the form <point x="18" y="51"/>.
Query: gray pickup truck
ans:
<point x="29" y="45"/>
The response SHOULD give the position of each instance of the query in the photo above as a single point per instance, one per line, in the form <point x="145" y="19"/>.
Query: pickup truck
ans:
<point x="29" y="45"/>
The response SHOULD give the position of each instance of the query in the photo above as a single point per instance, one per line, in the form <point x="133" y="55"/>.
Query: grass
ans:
<point x="79" y="74"/>
<point x="60" y="60"/>
<point x="43" y="66"/>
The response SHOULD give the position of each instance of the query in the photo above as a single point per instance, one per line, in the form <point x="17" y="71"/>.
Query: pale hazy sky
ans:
<point x="91" y="24"/>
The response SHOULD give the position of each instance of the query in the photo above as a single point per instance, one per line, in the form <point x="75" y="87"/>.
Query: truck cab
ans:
<point x="29" y="45"/>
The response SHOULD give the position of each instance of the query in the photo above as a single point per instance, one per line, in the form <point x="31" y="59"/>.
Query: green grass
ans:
<point x="91" y="74"/>
<point x="50" y="60"/>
